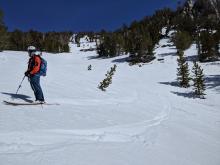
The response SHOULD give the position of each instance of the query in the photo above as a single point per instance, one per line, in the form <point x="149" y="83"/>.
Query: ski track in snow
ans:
<point x="86" y="102"/>
<point x="45" y="140"/>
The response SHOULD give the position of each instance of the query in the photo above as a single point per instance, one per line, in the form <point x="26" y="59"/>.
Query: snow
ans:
<point x="163" y="31"/>
<point x="142" y="118"/>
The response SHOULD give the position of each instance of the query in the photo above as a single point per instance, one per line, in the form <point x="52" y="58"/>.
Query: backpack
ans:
<point x="43" y="67"/>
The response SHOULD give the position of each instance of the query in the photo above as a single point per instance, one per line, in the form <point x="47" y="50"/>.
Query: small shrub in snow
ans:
<point x="90" y="67"/>
<point x="108" y="80"/>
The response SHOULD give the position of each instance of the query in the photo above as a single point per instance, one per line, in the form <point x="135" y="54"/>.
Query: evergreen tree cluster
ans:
<point x="184" y="77"/>
<point x="108" y="46"/>
<point x="209" y="45"/>
<point x="202" y="23"/>
<point x="197" y="21"/>
<point x="182" y="41"/>
<point x="138" y="40"/>
<point x="54" y="42"/>
<point x="108" y="80"/>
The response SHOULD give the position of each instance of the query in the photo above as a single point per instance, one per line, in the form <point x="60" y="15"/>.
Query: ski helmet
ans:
<point x="31" y="48"/>
<point x="37" y="53"/>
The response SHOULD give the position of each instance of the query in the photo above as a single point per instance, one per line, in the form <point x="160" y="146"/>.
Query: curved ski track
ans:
<point x="44" y="140"/>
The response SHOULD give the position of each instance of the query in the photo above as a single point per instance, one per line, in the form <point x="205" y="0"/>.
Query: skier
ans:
<point x="33" y="74"/>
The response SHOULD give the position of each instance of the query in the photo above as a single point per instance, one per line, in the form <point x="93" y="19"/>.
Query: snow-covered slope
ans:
<point x="142" y="118"/>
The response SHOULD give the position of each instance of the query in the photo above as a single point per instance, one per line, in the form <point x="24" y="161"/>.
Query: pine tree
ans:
<point x="108" y="80"/>
<point x="141" y="47"/>
<point x="109" y="45"/>
<point x="182" y="40"/>
<point x="182" y="70"/>
<point x="208" y="45"/>
<point x="198" y="80"/>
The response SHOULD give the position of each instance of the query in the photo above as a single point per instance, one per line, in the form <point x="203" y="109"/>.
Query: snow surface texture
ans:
<point x="142" y="118"/>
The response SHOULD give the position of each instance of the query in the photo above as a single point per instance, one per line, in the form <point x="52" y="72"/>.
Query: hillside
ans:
<point x="142" y="118"/>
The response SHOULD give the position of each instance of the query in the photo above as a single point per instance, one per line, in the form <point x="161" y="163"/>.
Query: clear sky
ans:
<point x="77" y="15"/>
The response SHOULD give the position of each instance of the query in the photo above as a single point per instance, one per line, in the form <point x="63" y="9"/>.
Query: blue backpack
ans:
<point x="43" y="67"/>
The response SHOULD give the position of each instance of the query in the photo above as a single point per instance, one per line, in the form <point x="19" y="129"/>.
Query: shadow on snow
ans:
<point x="213" y="81"/>
<point x="18" y="96"/>
<point x="167" y="54"/>
<point x="186" y="94"/>
<point x="173" y="83"/>
<point x="192" y="58"/>
<point x="118" y="60"/>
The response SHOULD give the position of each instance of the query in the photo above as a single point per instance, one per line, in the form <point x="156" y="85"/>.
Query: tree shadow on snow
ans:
<point x="118" y="60"/>
<point x="173" y="83"/>
<point x="96" y="57"/>
<point x="176" y="84"/>
<point x="213" y="81"/>
<point x="18" y="96"/>
<point x="213" y="63"/>
<point x="192" y="58"/>
<point x="167" y="54"/>
<point x="187" y="95"/>
<point x="92" y="57"/>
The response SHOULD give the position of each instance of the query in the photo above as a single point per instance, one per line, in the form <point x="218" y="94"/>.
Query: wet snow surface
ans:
<point x="142" y="118"/>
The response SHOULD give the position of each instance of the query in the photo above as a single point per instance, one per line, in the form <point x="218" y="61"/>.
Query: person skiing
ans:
<point x="34" y="65"/>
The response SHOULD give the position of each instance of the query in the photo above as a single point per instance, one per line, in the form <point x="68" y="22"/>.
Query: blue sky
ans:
<point x="82" y="15"/>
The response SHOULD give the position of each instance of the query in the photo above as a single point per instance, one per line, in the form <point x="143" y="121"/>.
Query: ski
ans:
<point x="33" y="103"/>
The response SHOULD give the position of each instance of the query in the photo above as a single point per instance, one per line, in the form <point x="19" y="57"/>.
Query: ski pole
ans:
<point x="20" y="85"/>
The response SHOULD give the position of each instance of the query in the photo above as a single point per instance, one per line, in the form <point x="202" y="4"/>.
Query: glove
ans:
<point x="27" y="73"/>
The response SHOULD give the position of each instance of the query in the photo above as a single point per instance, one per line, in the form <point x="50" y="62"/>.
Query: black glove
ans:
<point x="27" y="73"/>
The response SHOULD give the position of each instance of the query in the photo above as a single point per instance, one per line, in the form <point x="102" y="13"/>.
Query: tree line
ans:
<point x="198" y="24"/>
<point x="138" y="40"/>
<point x="54" y="42"/>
